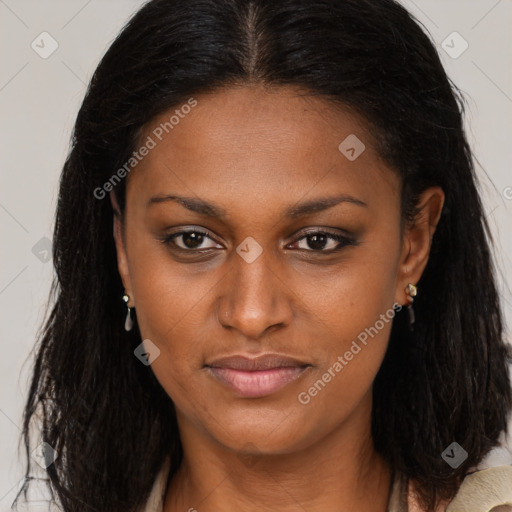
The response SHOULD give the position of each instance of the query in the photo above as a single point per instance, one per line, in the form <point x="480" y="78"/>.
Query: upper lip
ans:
<point x="263" y="362"/>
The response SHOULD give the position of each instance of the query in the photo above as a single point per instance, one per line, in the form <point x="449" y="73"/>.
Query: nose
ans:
<point x="254" y="299"/>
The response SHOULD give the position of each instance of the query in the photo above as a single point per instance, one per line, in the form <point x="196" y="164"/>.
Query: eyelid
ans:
<point x="169" y="238"/>
<point x="301" y="233"/>
<point x="344" y="239"/>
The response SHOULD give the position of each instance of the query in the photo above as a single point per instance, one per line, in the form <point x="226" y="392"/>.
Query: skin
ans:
<point x="256" y="151"/>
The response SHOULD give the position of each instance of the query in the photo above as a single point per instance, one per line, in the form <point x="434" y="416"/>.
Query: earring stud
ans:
<point x="411" y="290"/>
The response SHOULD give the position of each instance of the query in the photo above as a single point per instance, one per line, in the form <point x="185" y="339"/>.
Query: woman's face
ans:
<point x="301" y="255"/>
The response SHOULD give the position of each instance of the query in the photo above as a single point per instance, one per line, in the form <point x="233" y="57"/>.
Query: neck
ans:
<point x="342" y="471"/>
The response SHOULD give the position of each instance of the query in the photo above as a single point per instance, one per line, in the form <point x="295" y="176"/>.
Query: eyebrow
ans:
<point x="297" y="210"/>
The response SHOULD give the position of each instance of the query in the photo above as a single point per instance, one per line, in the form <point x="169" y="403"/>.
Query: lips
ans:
<point x="263" y="362"/>
<point x="256" y="377"/>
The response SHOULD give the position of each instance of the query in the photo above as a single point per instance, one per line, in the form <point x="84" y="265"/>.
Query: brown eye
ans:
<point x="191" y="240"/>
<point x="322" y="241"/>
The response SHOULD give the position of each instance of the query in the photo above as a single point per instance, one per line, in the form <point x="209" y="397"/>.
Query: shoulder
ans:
<point x="488" y="486"/>
<point x="485" y="490"/>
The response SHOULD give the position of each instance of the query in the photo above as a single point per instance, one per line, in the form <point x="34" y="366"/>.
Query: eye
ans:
<point x="322" y="241"/>
<point x="189" y="240"/>
<point x="195" y="240"/>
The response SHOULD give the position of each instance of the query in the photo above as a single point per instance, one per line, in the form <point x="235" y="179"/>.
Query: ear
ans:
<point x="122" y="260"/>
<point x="417" y="241"/>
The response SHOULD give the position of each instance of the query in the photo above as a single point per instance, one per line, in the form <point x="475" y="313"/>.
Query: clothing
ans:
<point x="485" y="490"/>
<point x="486" y="487"/>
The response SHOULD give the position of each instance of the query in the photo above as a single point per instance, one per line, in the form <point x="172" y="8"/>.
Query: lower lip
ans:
<point x="254" y="384"/>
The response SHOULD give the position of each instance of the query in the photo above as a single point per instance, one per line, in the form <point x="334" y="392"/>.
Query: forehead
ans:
<point x="275" y="143"/>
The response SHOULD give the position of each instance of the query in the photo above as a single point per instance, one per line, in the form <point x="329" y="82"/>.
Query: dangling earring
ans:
<point x="128" y="323"/>
<point x="412" y="291"/>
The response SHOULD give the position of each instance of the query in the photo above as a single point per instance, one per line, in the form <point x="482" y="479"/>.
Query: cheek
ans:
<point x="168" y="316"/>
<point x="352" y="296"/>
<point x="174" y="309"/>
<point x="354" y="315"/>
<point x="355" y="338"/>
<point x="166" y="292"/>
<point x="163" y="295"/>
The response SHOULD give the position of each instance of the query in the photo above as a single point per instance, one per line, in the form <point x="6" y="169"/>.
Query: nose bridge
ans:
<point x="254" y="298"/>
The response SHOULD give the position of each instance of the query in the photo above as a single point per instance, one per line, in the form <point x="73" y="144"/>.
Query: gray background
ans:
<point x="39" y="99"/>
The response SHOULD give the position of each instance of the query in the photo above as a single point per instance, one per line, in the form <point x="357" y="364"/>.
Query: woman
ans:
<point x="274" y="285"/>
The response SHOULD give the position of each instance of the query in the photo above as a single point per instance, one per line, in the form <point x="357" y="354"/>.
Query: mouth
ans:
<point x="257" y="377"/>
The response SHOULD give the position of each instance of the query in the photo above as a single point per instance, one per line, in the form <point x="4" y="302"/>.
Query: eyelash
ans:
<point x="342" y="240"/>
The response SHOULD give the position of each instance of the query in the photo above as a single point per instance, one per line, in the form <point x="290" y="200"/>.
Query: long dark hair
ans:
<point x="105" y="414"/>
